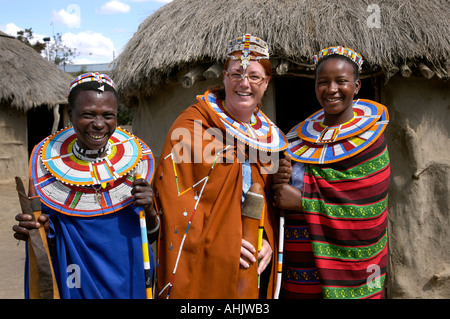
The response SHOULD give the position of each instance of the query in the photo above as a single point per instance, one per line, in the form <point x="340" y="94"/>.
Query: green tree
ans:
<point x="57" y="51"/>
<point x="26" y="36"/>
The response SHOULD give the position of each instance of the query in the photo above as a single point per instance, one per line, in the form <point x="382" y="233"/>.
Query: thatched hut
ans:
<point x="178" y="51"/>
<point x="31" y="91"/>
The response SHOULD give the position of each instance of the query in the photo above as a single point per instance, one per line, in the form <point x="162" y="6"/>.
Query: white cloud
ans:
<point x="70" y="16"/>
<point x="10" y="29"/>
<point x="114" y="7"/>
<point x="90" y="45"/>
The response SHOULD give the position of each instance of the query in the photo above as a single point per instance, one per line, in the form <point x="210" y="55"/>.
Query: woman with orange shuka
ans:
<point x="215" y="169"/>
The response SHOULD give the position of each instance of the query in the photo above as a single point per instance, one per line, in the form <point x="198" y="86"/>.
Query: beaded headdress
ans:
<point x="93" y="76"/>
<point x="344" y="51"/>
<point x="247" y="44"/>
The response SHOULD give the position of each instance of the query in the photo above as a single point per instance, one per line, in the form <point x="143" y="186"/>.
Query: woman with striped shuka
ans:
<point x="332" y="187"/>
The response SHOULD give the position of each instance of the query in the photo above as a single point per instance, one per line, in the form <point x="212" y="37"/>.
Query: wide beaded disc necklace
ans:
<point x="313" y="142"/>
<point x="261" y="133"/>
<point x="74" y="184"/>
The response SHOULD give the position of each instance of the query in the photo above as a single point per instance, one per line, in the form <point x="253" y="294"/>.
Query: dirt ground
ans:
<point x="12" y="256"/>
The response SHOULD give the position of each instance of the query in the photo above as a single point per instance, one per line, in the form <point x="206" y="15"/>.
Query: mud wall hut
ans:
<point x="179" y="50"/>
<point x="31" y="91"/>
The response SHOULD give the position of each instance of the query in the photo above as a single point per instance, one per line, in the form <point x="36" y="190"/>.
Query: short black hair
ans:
<point x="340" y="57"/>
<point x="88" y="86"/>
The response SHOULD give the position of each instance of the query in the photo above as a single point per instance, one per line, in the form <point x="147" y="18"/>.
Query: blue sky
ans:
<point x="98" y="29"/>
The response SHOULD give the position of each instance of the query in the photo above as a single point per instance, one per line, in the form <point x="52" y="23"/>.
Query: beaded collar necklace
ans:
<point x="73" y="184"/>
<point x="312" y="142"/>
<point x="261" y="133"/>
<point x="81" y="153"/>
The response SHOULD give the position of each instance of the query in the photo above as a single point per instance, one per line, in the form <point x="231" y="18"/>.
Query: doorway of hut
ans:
<point x="295" y="98"/>
<point x="39" y="124"/>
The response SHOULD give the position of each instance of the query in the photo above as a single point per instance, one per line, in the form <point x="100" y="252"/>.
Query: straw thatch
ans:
<point x="27" y="79"/>
<point x="412" y="35"/>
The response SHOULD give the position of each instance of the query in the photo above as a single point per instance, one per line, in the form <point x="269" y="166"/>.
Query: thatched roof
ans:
<point x="28" y="80"/>
<point x="413" y="36"/>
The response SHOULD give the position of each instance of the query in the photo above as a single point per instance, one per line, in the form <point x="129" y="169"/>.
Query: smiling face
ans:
<point x="94" y="118"/>
<point x="243" y="97"/>
<point x="335" y="88"/>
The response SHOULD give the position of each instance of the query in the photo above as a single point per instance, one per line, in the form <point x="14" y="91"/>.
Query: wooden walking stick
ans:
<point x="42" y="282"/>
<point x="252" y="218"/>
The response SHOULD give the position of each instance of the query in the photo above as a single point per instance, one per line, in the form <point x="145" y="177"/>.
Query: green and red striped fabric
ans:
<point x="345" y="205"/>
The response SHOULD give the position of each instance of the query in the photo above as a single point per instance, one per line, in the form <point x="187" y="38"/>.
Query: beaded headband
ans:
<point x="93" y="76"/>
<point x="347" y="52"/>
<point x="247" y="44"/>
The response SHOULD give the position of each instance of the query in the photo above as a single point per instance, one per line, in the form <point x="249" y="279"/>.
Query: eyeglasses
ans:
<point x="253" y="78"/>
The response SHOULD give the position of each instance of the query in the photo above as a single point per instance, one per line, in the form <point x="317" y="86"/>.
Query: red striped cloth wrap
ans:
<point x="345" y="205"/>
